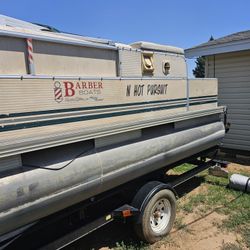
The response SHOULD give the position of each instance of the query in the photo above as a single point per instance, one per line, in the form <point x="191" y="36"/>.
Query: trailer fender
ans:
<point x="147" y="191"/>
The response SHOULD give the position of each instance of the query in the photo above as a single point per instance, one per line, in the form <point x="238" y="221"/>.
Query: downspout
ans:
<point x="214" y="66"/>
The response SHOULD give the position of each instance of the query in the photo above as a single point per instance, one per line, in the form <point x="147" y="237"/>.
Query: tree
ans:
<point x="199" y="70"/>
<point x="211" y="38"/>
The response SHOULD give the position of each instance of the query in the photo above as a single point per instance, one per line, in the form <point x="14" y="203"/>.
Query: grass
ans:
<point x="246" y="237"/>
<point x="123" y="246"/>
<point x="182" y="168"/>
<point x="235" y="204"/>
<point x="179" y="224"/>
<point x="193" y="202"/>
<point x="230" y="246"/>
<point x="216" y="196"/>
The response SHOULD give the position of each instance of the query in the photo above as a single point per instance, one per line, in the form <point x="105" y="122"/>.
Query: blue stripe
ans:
<point x="97" y="107"/>
<point x="96" y="116"/>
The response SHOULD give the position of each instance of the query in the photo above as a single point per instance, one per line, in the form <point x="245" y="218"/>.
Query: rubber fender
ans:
<point x="147" y="191"/>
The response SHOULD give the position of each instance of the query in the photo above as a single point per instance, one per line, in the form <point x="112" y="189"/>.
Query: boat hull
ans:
<point x="53" y="179"/>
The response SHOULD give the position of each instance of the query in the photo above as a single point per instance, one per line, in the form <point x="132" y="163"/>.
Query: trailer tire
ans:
<point x="157" y="217"/>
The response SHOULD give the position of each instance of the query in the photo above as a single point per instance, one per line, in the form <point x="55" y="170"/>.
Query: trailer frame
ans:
<point x="124" y="212"/>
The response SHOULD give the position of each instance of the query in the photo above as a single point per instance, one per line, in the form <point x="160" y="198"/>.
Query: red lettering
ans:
<point x="90" y="85"/>
<point x="78" y="86"/>
<point x="69" y="89"/>
<point x="100" y="85"/>
<point x="95" y="85"/>
<point x="84" y="85"/>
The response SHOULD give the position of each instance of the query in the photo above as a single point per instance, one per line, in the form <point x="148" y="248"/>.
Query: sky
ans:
<point x="178" y="22"/>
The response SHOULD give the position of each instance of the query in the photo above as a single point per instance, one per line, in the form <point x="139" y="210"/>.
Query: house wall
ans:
<point x="233" y="73"/>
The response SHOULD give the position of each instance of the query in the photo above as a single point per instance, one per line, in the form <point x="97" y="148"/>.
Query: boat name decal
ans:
<point x="146" y="89"/>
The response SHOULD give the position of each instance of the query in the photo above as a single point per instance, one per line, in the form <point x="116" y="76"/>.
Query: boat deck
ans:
<point x="29" y="139"/>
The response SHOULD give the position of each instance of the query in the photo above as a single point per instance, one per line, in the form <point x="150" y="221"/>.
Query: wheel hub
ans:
<point x="157" y="214"/>
<point x="160" y="215"/>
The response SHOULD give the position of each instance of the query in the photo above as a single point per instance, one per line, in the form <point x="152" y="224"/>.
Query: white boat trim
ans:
<point x="47" y="38"/>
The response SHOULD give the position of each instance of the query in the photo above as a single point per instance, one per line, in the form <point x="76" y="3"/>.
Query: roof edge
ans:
<point x="218" y="48"/>
<point x="157" y="47"/>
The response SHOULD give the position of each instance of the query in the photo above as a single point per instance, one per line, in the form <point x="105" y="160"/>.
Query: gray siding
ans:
<point x="233" y="73"/>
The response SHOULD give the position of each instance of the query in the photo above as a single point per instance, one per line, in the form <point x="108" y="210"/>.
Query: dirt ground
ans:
<point x="238" y="168"/>
<point x="200" y="234"/>
<point x="200" y="231"/>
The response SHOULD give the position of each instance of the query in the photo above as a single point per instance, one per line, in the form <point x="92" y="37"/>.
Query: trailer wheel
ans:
<point x="157" y="218"/>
